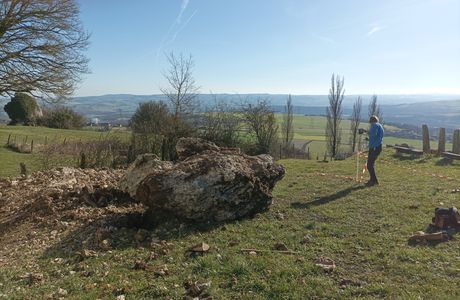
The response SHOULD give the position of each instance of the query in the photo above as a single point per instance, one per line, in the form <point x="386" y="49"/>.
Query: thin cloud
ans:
<point x="183" y="7"/>
<point x="175" y="28"/>
<point x="375" y="28"/>
<point x="181" y="28"/>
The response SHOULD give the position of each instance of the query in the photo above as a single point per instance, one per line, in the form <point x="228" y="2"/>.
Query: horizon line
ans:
<point x="228" y="93"/>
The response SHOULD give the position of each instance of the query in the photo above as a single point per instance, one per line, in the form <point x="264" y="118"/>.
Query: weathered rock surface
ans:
<point x="186" y="147"/>
<point x="146" y="164"/>
<point x="207" y="183"/>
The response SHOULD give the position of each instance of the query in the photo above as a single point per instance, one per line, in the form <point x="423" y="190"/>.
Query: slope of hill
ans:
<point x="66" y="247"/>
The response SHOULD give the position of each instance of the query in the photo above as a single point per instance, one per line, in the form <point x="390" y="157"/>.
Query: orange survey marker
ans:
<point x="359" y="153"/>
<point x="364" y="171"/>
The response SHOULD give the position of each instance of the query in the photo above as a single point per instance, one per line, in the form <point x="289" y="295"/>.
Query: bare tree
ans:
<point x="334" y="115"/>
<point x="262" y="122"/>
<point x="355" y="121"/>
<point x="374" y="108"/>
<point x="287" y="130"/>
<point x="182" y="90"/>
<point x="41" y="45"/>
<point x="181" y="94"/>
<point x="221" y="124"/>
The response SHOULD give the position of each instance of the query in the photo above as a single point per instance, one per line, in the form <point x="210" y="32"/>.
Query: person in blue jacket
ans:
<point x="375" y="148"/>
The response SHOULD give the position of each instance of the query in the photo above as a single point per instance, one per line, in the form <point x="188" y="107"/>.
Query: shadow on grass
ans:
<point x="327" y="199"/>
<point x="124" y="231"/>
<point x="444" y="162"/>
<point x="425" y="243"/>
<point x="407" y="157"/>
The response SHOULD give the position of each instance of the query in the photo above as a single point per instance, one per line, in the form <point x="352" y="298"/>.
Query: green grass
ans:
<point x="9" y="160"/>
<point x="364" y="230"/>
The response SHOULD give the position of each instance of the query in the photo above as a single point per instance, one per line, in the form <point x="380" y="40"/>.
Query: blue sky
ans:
<point x="275" y="46"/>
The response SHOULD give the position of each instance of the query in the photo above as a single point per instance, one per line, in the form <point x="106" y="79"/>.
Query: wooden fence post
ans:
<point x="426" y="139"/>
<point x="163" y="149"/>
<point x="9" y="136"/>
<point x="23" y="169"/>
<point x="456" y="142"/>
<point x="442" y="140"/>
<point x="32" y="146"/>
<point x="82" y="163"/>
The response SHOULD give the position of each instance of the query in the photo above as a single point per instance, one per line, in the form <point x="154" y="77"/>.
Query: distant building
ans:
<point x="105" y="126"/>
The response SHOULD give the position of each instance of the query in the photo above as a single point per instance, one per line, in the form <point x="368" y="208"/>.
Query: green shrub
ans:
<point x="63" y="118"/>
<point x="22" y="108"/>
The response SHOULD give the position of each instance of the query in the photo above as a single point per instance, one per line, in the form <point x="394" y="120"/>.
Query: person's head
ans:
<point x="374" y="119"/>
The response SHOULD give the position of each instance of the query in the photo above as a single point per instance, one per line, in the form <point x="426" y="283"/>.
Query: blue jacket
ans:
<point x="375" y="135"/>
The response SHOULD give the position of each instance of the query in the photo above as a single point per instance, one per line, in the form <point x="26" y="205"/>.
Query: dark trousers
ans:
<point x="371" y="158"/>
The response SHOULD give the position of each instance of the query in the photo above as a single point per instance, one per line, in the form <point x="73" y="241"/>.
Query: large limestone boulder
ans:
<point x="143" y="166"/>
<point x="207" y="183"/>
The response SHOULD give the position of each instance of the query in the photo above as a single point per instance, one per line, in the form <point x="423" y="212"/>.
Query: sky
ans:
<point x="275" y="46"/>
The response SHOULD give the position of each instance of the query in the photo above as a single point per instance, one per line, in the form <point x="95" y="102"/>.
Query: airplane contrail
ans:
<point x="175" y="28"/>
<point x="181" y="28"/>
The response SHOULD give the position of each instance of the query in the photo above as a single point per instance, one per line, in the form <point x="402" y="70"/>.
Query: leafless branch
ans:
<point x="41" y="45"/>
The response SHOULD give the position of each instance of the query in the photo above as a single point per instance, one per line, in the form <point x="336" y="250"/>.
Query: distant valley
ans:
<point x="434" y="110"/>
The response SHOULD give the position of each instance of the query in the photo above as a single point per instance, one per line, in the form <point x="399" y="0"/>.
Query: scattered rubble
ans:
<point x="201" y="247"/>
<point x="161" y="270"/>
<point x="32" y="278"/>
<point x="195" y="289"/>
<point x="307" y="238"/>
<point x="327" y="264"/>
<point x="44" y="208"/>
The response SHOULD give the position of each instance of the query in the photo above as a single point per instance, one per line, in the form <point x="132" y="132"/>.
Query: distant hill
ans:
<point x="402" y="109"/>
<point x="130" y="101"/>
<point x="434" y="113"/>
<point x="435" y="110"/>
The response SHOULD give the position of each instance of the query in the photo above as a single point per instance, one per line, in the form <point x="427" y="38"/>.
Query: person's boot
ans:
<point x="371" y="183"/>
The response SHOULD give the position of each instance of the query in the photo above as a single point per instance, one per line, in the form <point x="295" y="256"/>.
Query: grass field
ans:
<point x="309" y="129"/>
<point x="312" y="128"/>
<point x="9" y="160"/>
<point x="363" y="230"/>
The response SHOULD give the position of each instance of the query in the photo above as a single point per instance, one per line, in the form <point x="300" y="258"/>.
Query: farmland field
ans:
<point x="312" y="128"/>
<point x="307" y="129"/>
<point x="9" y="160"/>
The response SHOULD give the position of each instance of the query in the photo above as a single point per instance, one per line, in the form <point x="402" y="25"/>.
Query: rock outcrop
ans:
<point x="208" y="183"/>
<point x="144" y="165"/>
